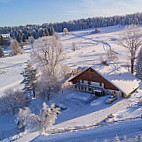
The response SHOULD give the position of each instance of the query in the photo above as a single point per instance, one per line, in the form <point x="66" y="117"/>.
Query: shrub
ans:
<point x="42" y="122"/>
<point x="96" y="31"/>
<point x="15" y="48"/>
<point x="11" y="101"/>
<point x="105" y="62"/>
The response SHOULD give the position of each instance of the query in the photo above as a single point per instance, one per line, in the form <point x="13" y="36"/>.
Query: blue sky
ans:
<point x="22" y="12"/>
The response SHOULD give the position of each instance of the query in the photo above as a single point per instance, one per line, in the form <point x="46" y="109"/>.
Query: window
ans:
<point x="99" y="93"/>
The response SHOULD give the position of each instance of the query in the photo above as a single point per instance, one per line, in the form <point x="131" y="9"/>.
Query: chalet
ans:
<point x="103" y="80"/>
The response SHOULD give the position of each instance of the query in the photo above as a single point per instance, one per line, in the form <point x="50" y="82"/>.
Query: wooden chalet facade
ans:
<point x="92" y="81"/>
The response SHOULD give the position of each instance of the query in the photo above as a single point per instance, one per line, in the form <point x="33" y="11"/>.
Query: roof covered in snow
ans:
<point x="119" y="76"/>
<point x="5" y="35"/>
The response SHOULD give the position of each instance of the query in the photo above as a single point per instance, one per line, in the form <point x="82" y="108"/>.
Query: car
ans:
<point x="111" y="99"/>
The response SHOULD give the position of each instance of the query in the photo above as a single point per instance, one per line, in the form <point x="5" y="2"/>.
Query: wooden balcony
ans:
<point x="97" y="90"/>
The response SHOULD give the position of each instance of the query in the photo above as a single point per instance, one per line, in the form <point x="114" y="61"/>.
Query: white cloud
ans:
<point x="111" y="7"/>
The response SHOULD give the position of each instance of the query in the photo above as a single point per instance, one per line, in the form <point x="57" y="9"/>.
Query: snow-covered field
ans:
<point x="82" y="109"/>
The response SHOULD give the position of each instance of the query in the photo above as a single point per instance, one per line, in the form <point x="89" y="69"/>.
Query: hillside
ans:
<point x="83" y="111"/>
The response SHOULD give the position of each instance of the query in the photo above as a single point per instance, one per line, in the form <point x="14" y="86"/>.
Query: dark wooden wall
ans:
<point x="93" y="76"/>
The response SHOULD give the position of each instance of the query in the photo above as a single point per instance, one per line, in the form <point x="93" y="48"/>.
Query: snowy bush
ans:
<point x="42" y="122"/>
<point x="65" y="31"/>
<point x="105" y="62"/>
<point x="15" y="48"/>
<point x="95" y="31"/>
<point x="111" y="55"/>
<point x="11" y="101"/>
<point x="22" y="116"/>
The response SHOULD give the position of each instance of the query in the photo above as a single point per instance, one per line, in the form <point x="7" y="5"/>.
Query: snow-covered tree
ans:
<point x="42" y="122"/>
<point x="48" y="53"/>
<point x="65" y="31"/>
<point x="31" y="40"/>
<point x="11" y="101"/>
<point x="48" y="85"/>
<point x="33" y="122"/>
<point x="48" y="56"/>
<point x="30" y="79"/>
<point x="21" y="117"/>
<point x="1" y="52"/>
<point x="131" y="39"/>
<point x="139" y="65"/>
<point x="15" y="48"/>
<point x="48" y="115"/>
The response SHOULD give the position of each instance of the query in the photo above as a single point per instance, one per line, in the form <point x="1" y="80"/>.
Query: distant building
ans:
<point x="105" y="80"/>
<point x="5" y="36"/>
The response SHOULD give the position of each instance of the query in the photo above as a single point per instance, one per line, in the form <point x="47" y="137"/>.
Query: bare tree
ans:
<point x="73" y="46"/>
<point x="15" y="48"/>
<point x="111" y="55"/>
<point x="131" y="39"/>
<point x="65" y="70"/>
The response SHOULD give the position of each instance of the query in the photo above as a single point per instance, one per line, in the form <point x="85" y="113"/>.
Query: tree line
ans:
<point x="21" y="33"/>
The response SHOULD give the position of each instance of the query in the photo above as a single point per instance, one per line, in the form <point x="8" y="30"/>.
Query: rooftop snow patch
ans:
<point x="119" y="77"/>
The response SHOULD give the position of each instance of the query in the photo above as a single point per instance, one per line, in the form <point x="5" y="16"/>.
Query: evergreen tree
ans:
<point x="1" y="40"/>
<point x="139" y="65"/>
<point x="1" y="52"/>
<point x="52" y="31"/>
<point x="47" y="32"/>
<point x="19" y="38"/>
<point x="30" y="79"/>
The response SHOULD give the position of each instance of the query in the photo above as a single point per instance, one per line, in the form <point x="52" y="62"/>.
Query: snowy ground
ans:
<point x="99" y="134"/>
<point x="82" y="108"/>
